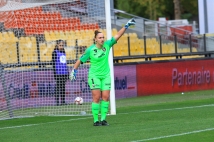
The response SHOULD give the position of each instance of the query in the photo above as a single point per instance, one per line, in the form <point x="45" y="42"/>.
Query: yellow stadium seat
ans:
<point x="52" y="36"/>
<point x="47" y="36"/>
<point x="70" y="53"/>
<point x="89" y="42"/>
<point x="11" y="34"/>
<point x="27" y="39"/>
<point x="33" y="39"/>
<point x="62" y="35"/>
<point x="51" y="46"/>
<point x="71" y="42"/>
<point x="194" y="49"/>
<point x="67" y="33"/>
<point x="5" y="34"/>
<point x="57" y="35"/>
<point x="114" y="31"/>
<point x="117" y="50"/>
<point x="72" y="32"/>
<point x="1" y="35"/>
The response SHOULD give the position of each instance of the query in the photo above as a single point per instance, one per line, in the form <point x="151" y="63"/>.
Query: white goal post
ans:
<point x="109" y="35"/>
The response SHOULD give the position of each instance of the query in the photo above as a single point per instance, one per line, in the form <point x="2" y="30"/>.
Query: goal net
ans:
<point x="28" y="33"/>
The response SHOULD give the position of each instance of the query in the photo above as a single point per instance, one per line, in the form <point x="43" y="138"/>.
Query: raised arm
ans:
<point x="122" y="31"/>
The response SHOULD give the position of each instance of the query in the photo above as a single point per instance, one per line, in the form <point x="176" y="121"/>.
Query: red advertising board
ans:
<point x="171" y="77"/>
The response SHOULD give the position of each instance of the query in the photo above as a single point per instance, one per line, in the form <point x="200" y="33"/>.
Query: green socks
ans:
<point x="104" y="109"/>
<point x="95" y="111"/>
<point x="103" y="106"/>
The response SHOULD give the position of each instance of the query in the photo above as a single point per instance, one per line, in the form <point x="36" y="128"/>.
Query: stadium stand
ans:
<point x="35" y="22"/>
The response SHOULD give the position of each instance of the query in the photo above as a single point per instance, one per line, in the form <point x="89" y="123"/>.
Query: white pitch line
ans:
<point x="28" y="125"/>
<point x="181" y="108"/>
<point x="174" y="135"/>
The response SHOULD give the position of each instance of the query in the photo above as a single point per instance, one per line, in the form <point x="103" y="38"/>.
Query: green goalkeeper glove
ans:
<point x="129" y="23"/>
<point x="73" y="75"/>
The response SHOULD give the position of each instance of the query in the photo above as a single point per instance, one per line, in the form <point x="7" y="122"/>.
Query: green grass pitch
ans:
<point x="176" y="117"/>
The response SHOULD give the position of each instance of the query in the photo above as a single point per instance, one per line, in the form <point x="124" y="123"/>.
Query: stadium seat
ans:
<point x="47" y="36"/>
<point x="28" y="49"/>
<point x="46" y="50"/>
<point x="8" y="52"/>
<point x="56" y="33"/>
<point x="42" y="47"/>
<point x="84" y="26"/>
<point x="71" y="42"/>
<point x="77" y="34"/>
<point x="116" y="50"/>
<point x="71" y="32"/>
<point x="75" y="20"/>
<point x="114" y="31"/>
<point x="53" y="37"/>
<point x="5" y="35"/>
<point x="70" y="53"/>
<point x="80" y="42"/>
<point x="62" y="35"/>
<point x="140" y="50"/>
<point x="194" y="49"/>
<point x="170" y="47"/>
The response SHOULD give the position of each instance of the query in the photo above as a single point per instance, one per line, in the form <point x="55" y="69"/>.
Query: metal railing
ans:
<point x="180" y="35"/>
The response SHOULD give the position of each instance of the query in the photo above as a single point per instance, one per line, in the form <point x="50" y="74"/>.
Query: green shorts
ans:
<point x="100" y="83"/>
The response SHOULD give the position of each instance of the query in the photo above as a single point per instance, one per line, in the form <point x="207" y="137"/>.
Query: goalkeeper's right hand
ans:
<point x="73" y="74"/>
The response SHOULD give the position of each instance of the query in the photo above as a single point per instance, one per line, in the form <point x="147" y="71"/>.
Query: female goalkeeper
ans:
<point x="99" y="73"/>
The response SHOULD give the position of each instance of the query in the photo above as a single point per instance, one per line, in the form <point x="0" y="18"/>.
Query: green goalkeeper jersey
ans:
<point x="98" y="58"/>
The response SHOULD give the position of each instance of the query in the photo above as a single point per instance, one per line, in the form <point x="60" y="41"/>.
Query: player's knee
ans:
<point x="105" y="97"/>
<point x="96" y="99"/>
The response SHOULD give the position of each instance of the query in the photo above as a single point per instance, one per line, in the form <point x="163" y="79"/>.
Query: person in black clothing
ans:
<point x="61" y="73"/>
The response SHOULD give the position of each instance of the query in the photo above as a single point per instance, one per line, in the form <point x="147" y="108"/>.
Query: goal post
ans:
<point x="28" y="33"/>
<point x="109" y="35"/>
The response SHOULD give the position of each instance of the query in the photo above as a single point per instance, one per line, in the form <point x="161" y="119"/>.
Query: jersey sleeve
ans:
<point x="111" y="42"/>
<point x="85" y="56"/>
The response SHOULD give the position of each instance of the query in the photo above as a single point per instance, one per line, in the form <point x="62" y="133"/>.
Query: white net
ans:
<point x="28" y="33"/>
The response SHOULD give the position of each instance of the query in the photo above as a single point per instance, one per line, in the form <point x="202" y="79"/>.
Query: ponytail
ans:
<point x="96" y="32"/>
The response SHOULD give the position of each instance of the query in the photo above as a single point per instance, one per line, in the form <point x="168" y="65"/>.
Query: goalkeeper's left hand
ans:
<point x="129" y="23"/>
<point x="73" y="75"/>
